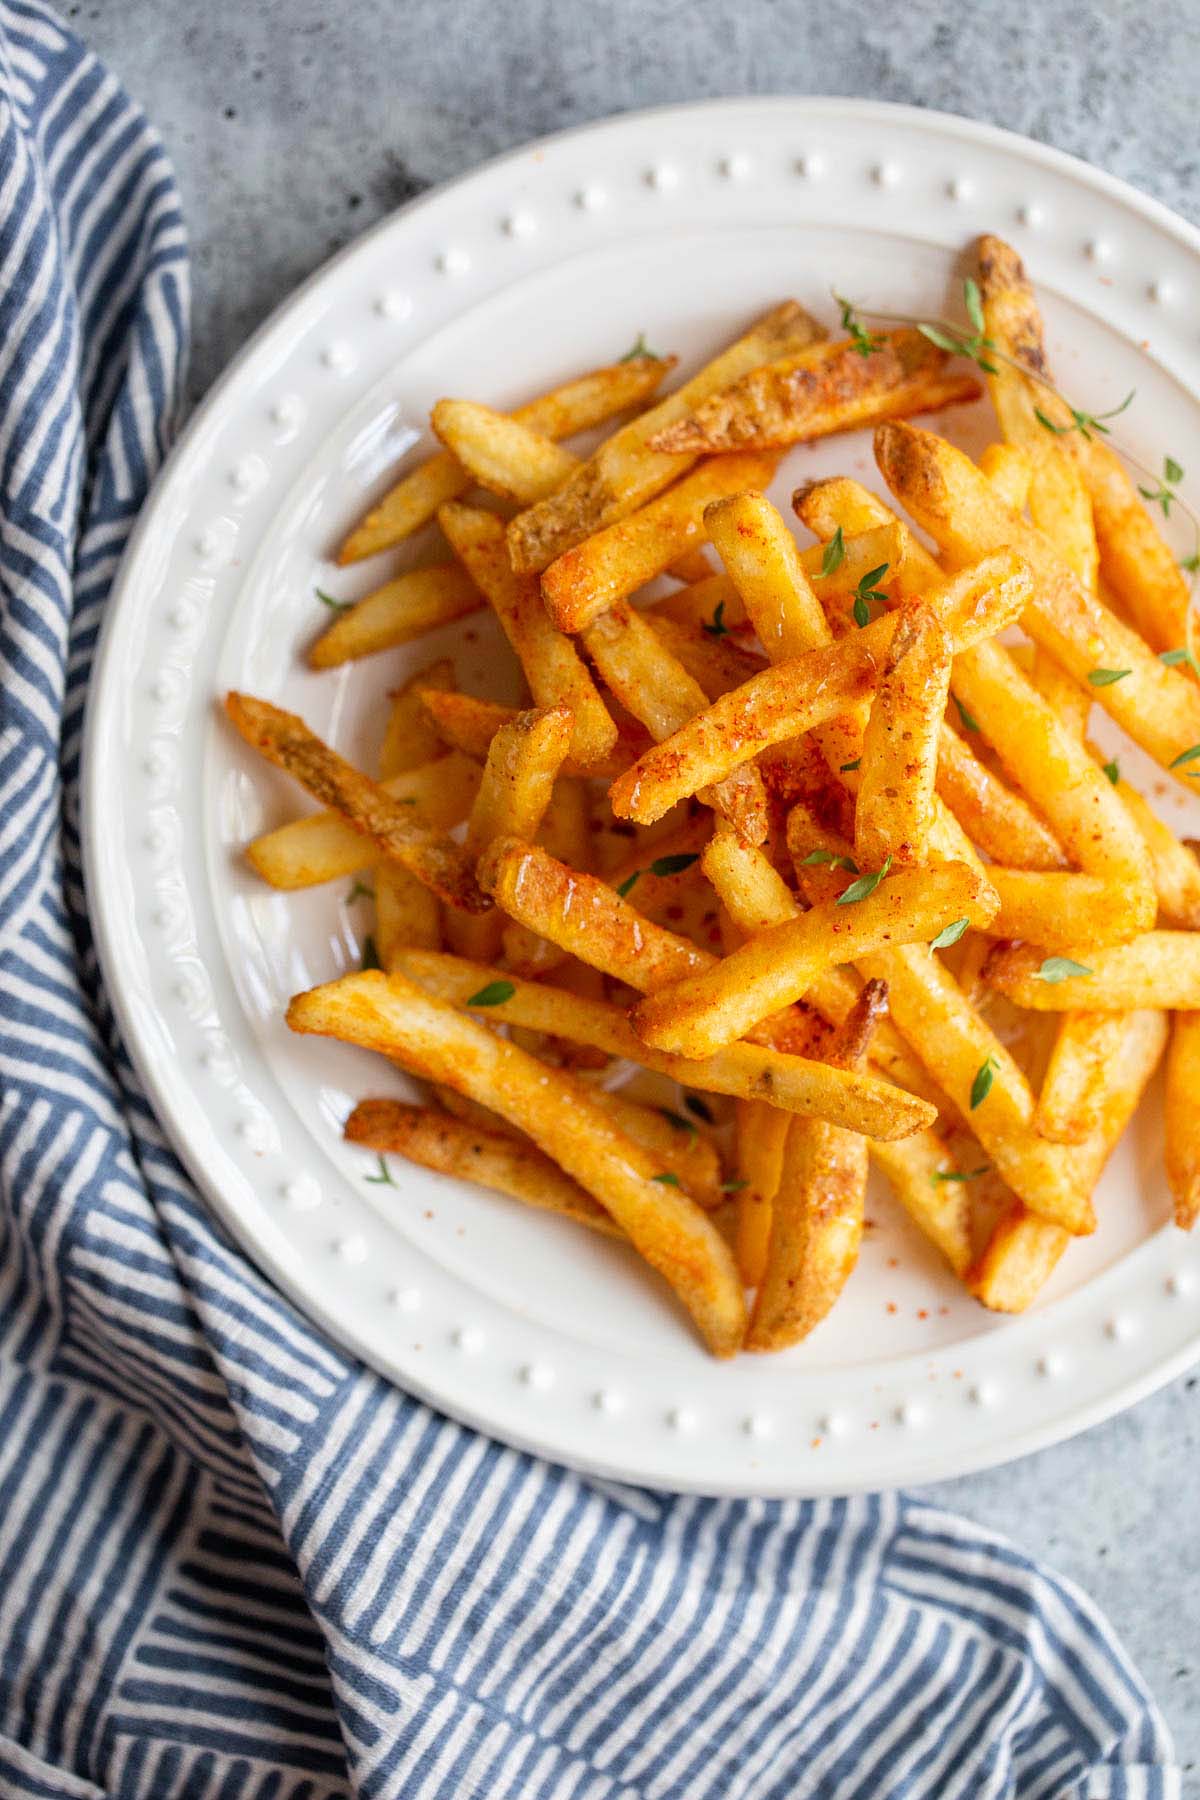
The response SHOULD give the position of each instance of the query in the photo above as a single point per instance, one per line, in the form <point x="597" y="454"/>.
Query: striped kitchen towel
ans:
<point x="233" y="1562"/>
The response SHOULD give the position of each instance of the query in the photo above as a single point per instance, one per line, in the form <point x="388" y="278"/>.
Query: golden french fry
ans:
<point x="567" y="834"/>
<point x="1136" y="563"/>
<point x="523" y="760"/>
<point x="744" y="1071"/>
<point x="411" y="738"/>
<point x="1010" y="471"/>
<point x="818" y="391"/>
<point x="817" y="1212"/>
<point x="896" y="780"/>
<point x="764" y="563"/>
<point x="673" y="1234"/>
<point x="553" y="667"/>
<point x="473" y="1152"/>
<point x="1159" y="969"/>
<point x="761" y="1135"/>
<point x="407" y="913"/>
<point x="500" y="453"/>
<point x="675" y="1141"/>
<point x="576" y="406"/>
<point x="624" y="472"/>
<point x="285" y="740"/>
<point x="691" y="567"/>
<point x="1183" y="1117"/>
<point x="1024" y="1249"/>
<point x="698" y="603"/>
<point x="1060" y="690"/>
<point x="323" y="847"/>
<point x="922" y="1172"/>
<point x="950" y="499"/>
<point x="1061" y="508"/>
<point x="1075" y="1086"/>
<point x="656" y="688"/>
<point x="704" y="1011"/>
<point x="608" y="566"/>
<point x="1060" y="912"/>
<point x="406" y="608"/>
<point x="994" y="816"/>
<point x="469" y="724"/>
<point x="717" y="664"/>
<point x="1174" y="865"/>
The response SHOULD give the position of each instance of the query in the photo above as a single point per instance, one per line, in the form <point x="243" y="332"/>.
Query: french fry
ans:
<point x="950" y="499"/>
<point x="576" y="406"/>
<point x="518" y="779"/>
<point x="1175" y="866"/>
<point x="745" y="1071"/>
<point x="656" y="870"/>
<point x="608" y="566"/>
<point x="651" y="684"/>
<point x="898" y="772"/>
<point x="285" y="740"/>
<point x="921" y="1171"/>
<point x="764" y="563"/>
<point x="1183" y="1117"/>
<point x="1072" y="703"/>
<point x="676" y="1143"/>
<point x="717" y="664"/>
<point x="691" y="567"/>
<point x="1061" y="508"/>
<point x="820" y="390"/>
<point x="414" y="603"/>
<point x="817" y="1212"/>
<point x="1024" y="1249"/>
<point x="994" y="816"/>
<point x="473" y="1152"/>
<point x="553" y="667"/>
<point x="1136" y="563"/>
<point x="698" y="603"/>
<point x="1063" y="912"/>
<point x="673" y="1234"/>
<point x="411" y="738"/>
<point x="1074" y="1088"/>
<point x="1159" y="970"/>
<point x="702" y="1012"/>
<point x="469" y="724"/>
<point x="761" y="1136"/>
<point x="406" y="912"/>
<point x="624" y="473"/>
<point x="499" y="452"/>
<point x="567" y="834"/>
<point x="1010" y="471"/>
<point x="323" y="847"/>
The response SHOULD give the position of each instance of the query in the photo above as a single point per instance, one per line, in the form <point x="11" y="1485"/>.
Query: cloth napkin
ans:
<point x="235" y="1563"/>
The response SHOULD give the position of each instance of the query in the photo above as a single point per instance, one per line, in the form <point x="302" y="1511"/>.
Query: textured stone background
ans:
<point x="296" y="123"/>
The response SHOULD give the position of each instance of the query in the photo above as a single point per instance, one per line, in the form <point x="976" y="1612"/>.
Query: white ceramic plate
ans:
<point x="680" y="224"/>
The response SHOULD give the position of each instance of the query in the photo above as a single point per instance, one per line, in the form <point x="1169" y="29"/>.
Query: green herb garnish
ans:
<point x="981" y="1087"/>
<point x="866" y="591"/>
<point x="845" y="768"/>
<point x="494" y="994"/>
<point x="1172" y="658"/>
<point x="383" y="1178"/>
<point x="1084" y="423"/>
<point x="717" y="626"/>
<point x="835" y="553"/>
<point x="640" y="348"/>
<point x="969" y="721"/>
<point x="667" y="1179"/>
<point x="1060" y="968"/>
<point x="329" y="601"/>
<point x="1164" y="493"/>
<point x="864" y="341"/>
<point x="816" y="858"/>
<point x="949" y="934"/>
<point x="1113" y="771"/>
<point x="360" y="891"/>
<point x="865" y="885"/>
<point x="1186" y="756"/>
<point x="1106" y="677"/>
<point x="941" y="1175"/>
<point x="735" y="1186"/>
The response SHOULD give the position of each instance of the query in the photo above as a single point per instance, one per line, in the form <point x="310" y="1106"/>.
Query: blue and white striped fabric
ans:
<point x="232" y="1562"/>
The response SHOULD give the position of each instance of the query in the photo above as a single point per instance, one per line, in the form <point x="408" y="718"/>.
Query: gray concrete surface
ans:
<point x="296" y="123"/>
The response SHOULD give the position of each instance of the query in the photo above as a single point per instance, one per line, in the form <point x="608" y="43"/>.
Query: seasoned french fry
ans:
<point x="1136" y="563"/>
<point x="553" y="667"/>
<point x="473" y="1152"/>
<point x="576" y="406"/>
<point x="900" y="745"/>
<point x="624" y="472"/>
<point x="1183" y="1117"/>
<point x="676" y="1143"/>
<point x="1175" y="866"/>
<point x="698" y="603"/>
<point x="744" y="1071"/>
<point x="406" y="913"/>
<point x="651" y="684"/>
<point x="499" y="452"/>
<point x="411" y="738"/>
<point x="1071" y="702"/>
<point x="817" y="1212"/>
<point x="717" y="664"/>
<point x="469" y="724"/>
<point x="406" y="608"/>
<point x="1010" y="471"/>
<point x="994" y="816"/>
<point x="1062" y="912"/>
<point x="1159" y="969"/>
<point x="704" y="1011"/>
<point x="323" y="847"/>
<point x="921" y="1171"/>
<point x="1061" y="508"/>
<point x="1024" y="1249"/>
<point x="567" y="834"/>
<point x="763" y="561"/>
<point x="818" y="391"/>
<point x="518" y="779"/>
<point x="391" y="1015"/>
<point x="691" y="567"/>
<point x="608" y="566"/>
<point x="1075" y="1085"/>
<point x="948" y="496"/>
<point x="761" y="1136"/>
<point x="285" y="740"/>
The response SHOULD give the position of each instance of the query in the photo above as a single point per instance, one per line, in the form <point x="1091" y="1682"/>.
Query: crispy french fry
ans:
<point x="411" y="738"/>
<point x="368" y="808"/>
<point x="523" y="761"/>
<point x="576" y="406"/>
<point x="994" y="816"/>
<point x="624" y="473"/>
<point x="1175" y="865"/>
<point x="1061" y="508"/>
<point x="323" y="847"/>
<point x="1136" y="563"/>
<point x="691" y="567"/>
<point x="761" y="1136"/>
<point x="896" y="780"/>
<point x="474" y="1152"/>
<point x="608" y="566"/>
<point x="744" y="1071"/>
<point x="921" y="1171"/>
<point x="764" y="563"/>
<point x="391" y="1015"/>
<point x="655" y="687"/>
<point x="1159" y="969"/>
<point x="948" y="496"/>
<point x="414" y="603"/>
<point x="1062" y="912"/>
<point x="817" y="1212"/>
<point x="499" y="452"/>
<point x="469" y="724"/>
<point x="1060" y="690"/>
<point x="717" y="664"/>
<point x="818" y="391"/>
<point x="704" y="1011"/>
<point x="1024" y="1249"/>
<point x="698" y="603"/>
<point x="1010" y="471"/>
<point x="1183" y="1117"/>
<point x="406" y="912"/>
<point x="553" y="667"/>
<point x="676" y="1143"/>
<point x="1074" y="1088"/>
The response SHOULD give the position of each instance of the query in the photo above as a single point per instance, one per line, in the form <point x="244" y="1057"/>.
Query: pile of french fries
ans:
<point x="798" y="841"/>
